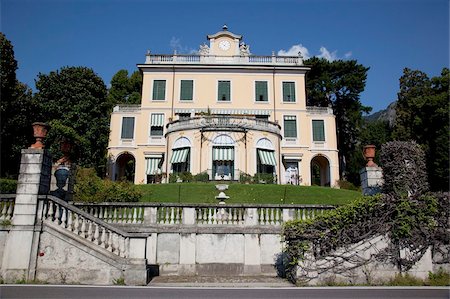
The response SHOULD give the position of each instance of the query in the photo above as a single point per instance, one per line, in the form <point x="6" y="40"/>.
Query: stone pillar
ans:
<point x="20" y="252"/>
<point x="371" y="180"/>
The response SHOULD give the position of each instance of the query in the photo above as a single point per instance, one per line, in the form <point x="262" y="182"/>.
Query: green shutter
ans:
<point x="288" y="91"/>
<point x="186" y="93"/>
<point x="127" y="128"/>
<point x="318" y="130"/>
<point x="223" y="91"/>
<point x="290" y="127"/>
<point x="261" y="91"/>
<point x="159" y="90"/>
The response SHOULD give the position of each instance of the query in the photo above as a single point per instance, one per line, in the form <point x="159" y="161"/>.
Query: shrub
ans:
<point x="173" y="177"/>
<point x="8" y="186"/>
<point x="245" y="178"/>
<point x="186" y="176"/>
<point x="440" y="278"/>
<point x="343" y="184"/>
<point x="264" y="178"/>
<point x="90" y="188"/>
<point x="201" y="177"/>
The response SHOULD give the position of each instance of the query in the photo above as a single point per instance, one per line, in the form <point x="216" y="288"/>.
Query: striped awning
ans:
<point x="157" y="120"/>
<point x="267" y="157"/>
<point x="223" y="154"/>
<point x="152" y="165"/>
<point x="179" y="155"/>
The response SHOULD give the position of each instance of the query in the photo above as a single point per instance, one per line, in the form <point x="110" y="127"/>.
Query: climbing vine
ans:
<point x="408" y="218"/>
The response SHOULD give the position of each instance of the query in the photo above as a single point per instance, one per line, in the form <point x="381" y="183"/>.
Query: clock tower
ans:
<point x="224" y="43"/>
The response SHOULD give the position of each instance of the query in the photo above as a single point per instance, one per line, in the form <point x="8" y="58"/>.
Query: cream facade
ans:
<point x="224" y="112"/>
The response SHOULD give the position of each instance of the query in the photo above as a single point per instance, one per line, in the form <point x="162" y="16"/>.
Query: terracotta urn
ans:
<point x="39" y="132"/>
<point x="369" y="155"/>
<point x="65" y="147"/>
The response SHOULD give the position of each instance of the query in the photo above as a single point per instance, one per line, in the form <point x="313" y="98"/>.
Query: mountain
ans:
<point x="387" y="114"/>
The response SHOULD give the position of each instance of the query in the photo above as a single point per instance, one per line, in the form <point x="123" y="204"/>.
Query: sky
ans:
<point x="109" y="35"/>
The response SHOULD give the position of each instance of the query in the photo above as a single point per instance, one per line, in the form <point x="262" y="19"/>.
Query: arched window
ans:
<point x="265" y="156"/>
<point x="181" y="151"/>
<point x="223" y="157"/>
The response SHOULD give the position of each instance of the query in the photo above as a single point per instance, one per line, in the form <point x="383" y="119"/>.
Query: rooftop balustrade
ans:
<point x="215" y="59"/>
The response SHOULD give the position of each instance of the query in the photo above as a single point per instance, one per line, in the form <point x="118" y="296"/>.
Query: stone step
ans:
<point x="220" y="281"/>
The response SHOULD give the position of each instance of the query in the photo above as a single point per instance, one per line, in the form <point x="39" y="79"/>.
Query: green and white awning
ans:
<point x="267" y="157"/>
<point x="152" y="165"/>
<point x="179" y="155"/>
<point x="157" y="120"/>
<point x="223" y="153"/>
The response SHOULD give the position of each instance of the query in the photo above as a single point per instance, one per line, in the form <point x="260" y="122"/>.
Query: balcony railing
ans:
<point x="127" y="108"/>
<point x="215" y="59"/>
<point x="218" y="123"/>
<point x="319" y="110"/>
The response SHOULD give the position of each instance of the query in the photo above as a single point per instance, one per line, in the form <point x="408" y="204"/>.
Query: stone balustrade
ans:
<point x="217" y="59"/>
<point x="200" y="214"/>
<point x="6" y="207"/>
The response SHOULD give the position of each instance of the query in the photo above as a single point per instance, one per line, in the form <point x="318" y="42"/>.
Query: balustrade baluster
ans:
<point x="122" y="246"/>
<point x="57" y="213"/>
<point x="106" y="215"/>
<point x="209" y="216"/>
<point x="76" y="224"/>
<point x="96" y="234"/>
<point x="172" y="215"/>
<point x="100" y="213"/>
<point x="4" y="210"/>
<point x="135" y="214"/>
<point x="69" y="220"/>
<point x="234" y="216"/>
<point x="9" y="213"/>
<point x="50" y="211"/>
<point x="110" y="241"/>
<point x="115" y="245"/>
<point x="89" y="232"/>
<point x="114" y="216"/>
<point x="63" y="217"/>
<point x="83" y="227"/>
<point x="127" y="247"/>
<point x="103" y="238"/>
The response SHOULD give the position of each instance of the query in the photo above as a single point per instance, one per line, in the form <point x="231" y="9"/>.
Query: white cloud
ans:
<point x="293" y="51"/>
<point x="175" y="44"/>
<point x="324" y="53"/>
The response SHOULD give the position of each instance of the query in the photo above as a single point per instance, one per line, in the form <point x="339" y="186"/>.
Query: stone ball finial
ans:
<point x="224" y="27"/>
<point x="40" y="131"/>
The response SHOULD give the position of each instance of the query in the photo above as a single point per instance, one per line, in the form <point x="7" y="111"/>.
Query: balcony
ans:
<point x="215" y="59"/>
<point x="223" y="123"/>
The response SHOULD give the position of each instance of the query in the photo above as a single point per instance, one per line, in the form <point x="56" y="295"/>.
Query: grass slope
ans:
<point x="241" y="193"/>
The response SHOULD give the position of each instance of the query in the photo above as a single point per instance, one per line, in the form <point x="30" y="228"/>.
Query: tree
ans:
<point x="423" y="115"/>
<point x="75" y="97"/>
<point x="17" y="112"/>
<point x="338" y="84"/>
<point x="124" y="89"/>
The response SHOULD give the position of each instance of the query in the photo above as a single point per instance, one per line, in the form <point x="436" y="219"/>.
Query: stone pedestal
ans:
<point x="19" y="257"/>
<point x="371" y="180"/>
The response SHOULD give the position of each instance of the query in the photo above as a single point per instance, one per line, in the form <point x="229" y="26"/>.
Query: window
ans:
<point x="262" y="117"/>
<point x="288" y="91"/>
<point x="223" y="91"/>
<point x="318" y="130"/>
<point x="290" y="126"/>
<point x="182" y="116"/>
<point x="186" y="92"/>
<point x="261" y="91"/>
<point x="127" y="128"/>
<point x="156" y="124"/>
<point x="159" y="90"/>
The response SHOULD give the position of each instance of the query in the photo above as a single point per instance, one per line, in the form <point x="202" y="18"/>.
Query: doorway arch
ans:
<point x="320" y="171"/>
<point x="125" y="167"/>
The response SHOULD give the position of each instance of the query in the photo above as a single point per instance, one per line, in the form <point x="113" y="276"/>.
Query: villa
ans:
<point x="224" y="112"/>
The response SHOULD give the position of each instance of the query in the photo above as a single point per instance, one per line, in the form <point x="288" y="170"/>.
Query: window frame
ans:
<point x="122" y="128"/>
<point x="255" y="95"/>
<point x="294" y="83"/>
<point x="284" y="126"/>
<point x="217" y="89"/>
<point x="181" y="91"/>
<point x="153" y="90"/>
<point x="323" y="128"/>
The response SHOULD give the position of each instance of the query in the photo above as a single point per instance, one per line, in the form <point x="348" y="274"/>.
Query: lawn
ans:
<point x="242" y="193"/>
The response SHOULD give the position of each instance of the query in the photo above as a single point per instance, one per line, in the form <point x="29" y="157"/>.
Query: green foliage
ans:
<point x="264" y="178"/>
<point x="8" y="186"/>
<point x="173" y="177"/>
<point x="119" y="281"/>
<point x="245" y="178"/>
<point x="422" y="114"/>
<point x="405" y="280"/>
<point x="339" y="84"/>
<point x="90" y="188"/>
<point x="186" y="177"/>
<point x="201" y="177"/>
<point x="404" y="170"/>
<point x="75" y="97"/>
<point x="17" y="110"/>
<point x="440" y="278"/>
<point x="124" y="89"/>
<point x="343" y="184"/>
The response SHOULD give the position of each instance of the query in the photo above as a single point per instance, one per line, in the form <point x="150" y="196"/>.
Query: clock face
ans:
<point x="224" y="45"/>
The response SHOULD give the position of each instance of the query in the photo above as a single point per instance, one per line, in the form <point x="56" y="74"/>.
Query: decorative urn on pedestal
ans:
<point x="39" y="132"/>
<point x="369" y="155"/>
